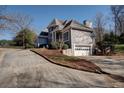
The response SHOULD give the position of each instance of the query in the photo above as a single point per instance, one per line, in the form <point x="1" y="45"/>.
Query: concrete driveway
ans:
<point x="111" y="64"/>
<point x="23" y="68"/>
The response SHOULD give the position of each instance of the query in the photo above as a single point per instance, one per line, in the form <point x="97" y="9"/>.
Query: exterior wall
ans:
<point x="80" y="37"/>
<point x="68" y="52"/>
<point x="41" y="41"/>
<point x="52" y="36"/>
<point x="81" y="43"/>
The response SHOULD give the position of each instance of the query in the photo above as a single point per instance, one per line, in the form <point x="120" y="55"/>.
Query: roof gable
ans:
<point x="72" y="23"/>
<point x="56" y="22"/>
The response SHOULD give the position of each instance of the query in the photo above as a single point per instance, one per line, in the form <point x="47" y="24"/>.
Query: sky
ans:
<point x="42" y="15"/>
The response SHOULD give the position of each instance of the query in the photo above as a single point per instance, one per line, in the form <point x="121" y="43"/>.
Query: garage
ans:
<point x="82" y="50"/>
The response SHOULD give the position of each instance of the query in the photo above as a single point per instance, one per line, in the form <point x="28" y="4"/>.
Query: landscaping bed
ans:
<point x="56" y="57"/>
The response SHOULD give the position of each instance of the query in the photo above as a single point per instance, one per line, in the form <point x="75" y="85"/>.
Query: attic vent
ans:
<point x="88" y="23"/>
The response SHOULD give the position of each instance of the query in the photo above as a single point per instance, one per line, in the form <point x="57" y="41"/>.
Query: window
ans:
<point x="52" y="28"/>
<point x="54" y="36"/>
<point x="66" y="35"/>
<point x="50" y="36"/>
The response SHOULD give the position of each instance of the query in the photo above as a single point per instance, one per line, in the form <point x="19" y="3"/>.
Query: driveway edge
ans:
<point x="51" y="61"/>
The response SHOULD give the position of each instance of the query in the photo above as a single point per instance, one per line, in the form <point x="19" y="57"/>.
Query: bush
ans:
<point x="58" y="45"/>
<point x="54" y="45"/>
<point x="30" y="46"/>
<point x="65" y="46"/>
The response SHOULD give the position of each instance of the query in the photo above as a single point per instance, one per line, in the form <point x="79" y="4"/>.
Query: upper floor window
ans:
<point x="52" y="28"/>
<point x="50" y="35"/>
<point x="66" y="36"/>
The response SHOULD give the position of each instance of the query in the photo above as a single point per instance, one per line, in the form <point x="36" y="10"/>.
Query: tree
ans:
<point x="26" y="38"/>
<point x="19" y="23"/>
<point x="4" y="18"/>
<point x="14" y="21"/>
<point x="6" y="43"/>
<point x="110" y="38"/>
<point x="99" y="24"/>
<point x="118" y="18"/>
<point x="121" y="38"/>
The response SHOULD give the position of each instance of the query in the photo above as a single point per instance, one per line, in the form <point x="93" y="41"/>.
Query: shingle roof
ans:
<point x="43" y="34"/>
<point x="77" y="25"/>
<point x="72" y="23"/>
<point x="56" y="22"/>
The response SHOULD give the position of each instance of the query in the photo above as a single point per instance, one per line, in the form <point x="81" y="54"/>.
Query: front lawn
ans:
<point x="119" y="48"/>
<point x="58" y="58"/>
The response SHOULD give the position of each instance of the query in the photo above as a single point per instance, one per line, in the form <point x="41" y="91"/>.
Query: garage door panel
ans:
<point x="82" y="51"/>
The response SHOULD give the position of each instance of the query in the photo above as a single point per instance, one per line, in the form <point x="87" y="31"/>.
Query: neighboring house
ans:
<point x="79" y="37"/>
<point x="42" y="40"/>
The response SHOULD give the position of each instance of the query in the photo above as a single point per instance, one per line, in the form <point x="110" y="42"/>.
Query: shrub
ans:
<point x="54" y="45"/>
<point x="30" y="46"/>
<point x="58" y="45"/>
<point x="65" y="46"/>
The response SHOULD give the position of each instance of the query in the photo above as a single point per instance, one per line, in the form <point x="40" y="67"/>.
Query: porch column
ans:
<point x="91" y="49"/>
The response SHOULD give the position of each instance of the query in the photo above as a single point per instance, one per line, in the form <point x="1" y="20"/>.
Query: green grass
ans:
<point x="119" y="48"/>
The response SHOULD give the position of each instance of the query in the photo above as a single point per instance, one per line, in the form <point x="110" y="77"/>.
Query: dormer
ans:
<point x="55" y="24"/>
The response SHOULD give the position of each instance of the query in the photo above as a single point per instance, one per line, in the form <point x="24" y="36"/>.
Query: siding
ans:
<point x="80" y="37"/>
<point x="42" y="40"/>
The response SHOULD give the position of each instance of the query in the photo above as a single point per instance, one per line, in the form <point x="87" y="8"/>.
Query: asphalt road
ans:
<point x="23" y="68"/>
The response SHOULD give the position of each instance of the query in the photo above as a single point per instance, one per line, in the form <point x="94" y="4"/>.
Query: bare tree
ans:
<point x="20" y="21"/>
<point x="4" y="18"/>
<point x="118" y="17"/>
<point x="99" y="24"/>
<point x="14" y="22"/>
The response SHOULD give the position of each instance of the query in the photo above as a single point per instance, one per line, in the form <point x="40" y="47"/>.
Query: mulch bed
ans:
<point x="56" y="57"/>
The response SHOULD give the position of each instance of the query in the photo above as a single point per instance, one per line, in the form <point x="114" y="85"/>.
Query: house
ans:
<point x="42" y="40"/>
<point x="79" y="37"/>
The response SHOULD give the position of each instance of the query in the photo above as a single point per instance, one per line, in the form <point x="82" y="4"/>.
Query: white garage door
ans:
<point x="82" y="51"/>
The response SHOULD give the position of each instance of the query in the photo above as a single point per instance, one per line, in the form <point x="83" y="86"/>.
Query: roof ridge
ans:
<point x="56" y="21"/>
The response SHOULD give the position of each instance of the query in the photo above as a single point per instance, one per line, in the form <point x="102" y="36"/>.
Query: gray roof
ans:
<point x="72" y="23"/>
<point x="43" y="34"/>
<point x="76" y="25"/>
<point x="56" y="22"/>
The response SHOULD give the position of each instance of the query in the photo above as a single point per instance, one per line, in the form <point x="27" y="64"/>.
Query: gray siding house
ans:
<point x="42" y="40"/>
<point x="79" y="37"/>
